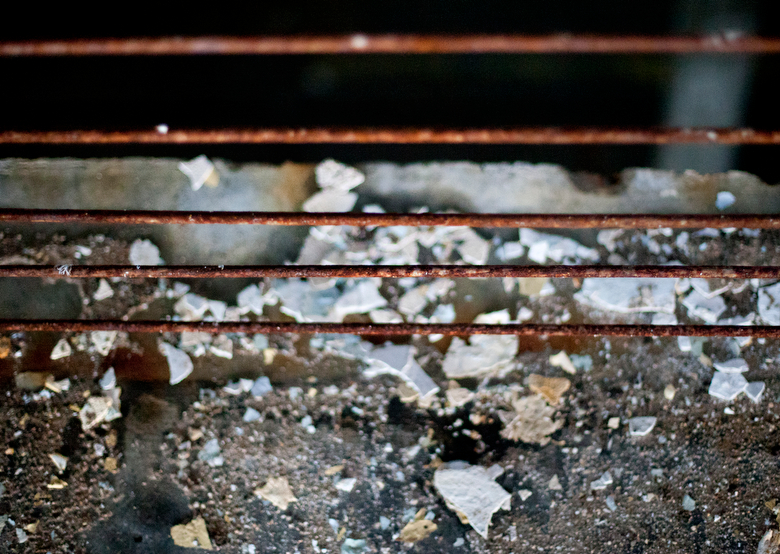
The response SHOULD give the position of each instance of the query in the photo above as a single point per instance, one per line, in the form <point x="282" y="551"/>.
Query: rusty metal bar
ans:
<point x="392" y="271"/>
<point x="717" y="43"/>
<point x="416" y="135"/>
<point x="387" y="329"/>
<point x="541" y="221"/>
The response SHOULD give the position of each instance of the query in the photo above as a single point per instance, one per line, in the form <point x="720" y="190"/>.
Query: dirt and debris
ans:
<point x="340" y="444"/>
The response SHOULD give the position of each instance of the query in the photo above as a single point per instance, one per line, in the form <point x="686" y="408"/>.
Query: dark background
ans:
<point x="392" y="90"/>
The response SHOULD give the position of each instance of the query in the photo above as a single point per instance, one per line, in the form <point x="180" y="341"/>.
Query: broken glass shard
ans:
<point x="261" y="387"/>
<point x="486" y="354"/>
<point x="103" y="341"/>
<point x="399" y="360"/>
<point x="200" y="171"/>
<point x="179" y="363"/>
<point x="301" y="301"/>
<point x="471" y="493"/>
<point x="769" y="304"/>
<point x="211" y="453"/>
<point x="755" y="391"/>
<point x="104" y="291"/>
<point x="628" y="295"/>
<point x="61" y="350"/>
<point x="727" y="386"/>
<point x="143" y="252"/>
<point x="707" y="309"/>
<point x="737" y="365"/>
<point x="602" y="482"/>
<point x="542" y="246"/>
<point x="331" y="174"/>
<point x="359" y="299"/>
<point x="641" y="426"/>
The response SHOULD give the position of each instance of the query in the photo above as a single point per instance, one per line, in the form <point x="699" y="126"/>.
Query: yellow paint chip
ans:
<point x="192" y="535"/>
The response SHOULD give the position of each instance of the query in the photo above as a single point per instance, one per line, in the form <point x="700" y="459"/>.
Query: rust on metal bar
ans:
<point x="716" y="43"/>
<point x="391" y="271"/>
<point x="387" y="329"/>
<point x="540" y="221"/>
<point x="523" y="135"/>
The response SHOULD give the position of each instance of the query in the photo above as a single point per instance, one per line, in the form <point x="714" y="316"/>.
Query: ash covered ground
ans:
<point x="314" y="444"/>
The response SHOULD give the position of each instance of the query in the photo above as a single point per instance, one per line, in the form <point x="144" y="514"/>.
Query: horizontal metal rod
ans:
<point x="720" y="43"/>
<point x="541" y="221"/>
<point x="397" y="271"/>
<point x="260" y="327"/>
<point x="416" y="135"/>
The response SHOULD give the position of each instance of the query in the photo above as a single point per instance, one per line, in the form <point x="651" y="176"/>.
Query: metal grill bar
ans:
<point x="365" y="271"/>
<point x="541" y="221"/>
<point x="394" y="44"/>
<point x="528" y="135"/>
<point x="388" y="329"/>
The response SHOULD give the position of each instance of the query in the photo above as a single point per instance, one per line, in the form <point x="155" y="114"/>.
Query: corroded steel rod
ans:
<point x="260" y="327"/>
<point x="363" y="271"/>
<point x="541" y="221"/>
<point x="416" y="135"/>
<point x="717" y="43"/>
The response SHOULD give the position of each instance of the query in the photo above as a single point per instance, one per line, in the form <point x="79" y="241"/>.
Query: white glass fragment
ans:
<point x="179" y="363"/>
<point x="628" y="295"/>
<point x="486" y="354"/>
<point x="108" y="381"/>
<point x="399" y="360"/>
<point x="727" y="386"/>
<point x="471" y="493"/>
<point x="641" y="426"/>
<point x="200" y="171"/>
<point x="543" y="246"/>
<point x="331" y="174"/>
<point x="737" y="365"/>
<point x="755" y="391"/>
<point x="724" y="200"/>
<point x="143" y="252"/>
<point x="769" y="304"/>
<point x="360" y="299"/>
<point x="61" y="350"/>
<point x="103" y="341"/>
<point x="103" y="291"/>
<point x="602" y="482"/>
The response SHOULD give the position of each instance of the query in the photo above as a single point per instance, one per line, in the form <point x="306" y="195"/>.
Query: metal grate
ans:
<point x="363" y="44"/>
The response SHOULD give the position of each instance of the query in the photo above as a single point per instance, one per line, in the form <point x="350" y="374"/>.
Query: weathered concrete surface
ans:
<point x="157" y="184"/>
<point x="526" y="188"/>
